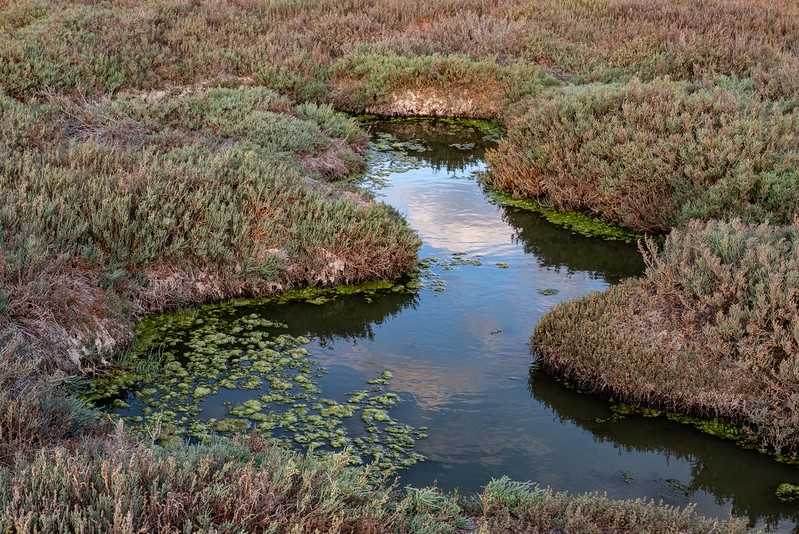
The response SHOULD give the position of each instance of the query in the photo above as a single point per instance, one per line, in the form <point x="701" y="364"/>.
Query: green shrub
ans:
<point x="593" y="513"/>
<point x="252" y="485"/>
<point x="230" y="486"/>
<point x="383" y="73"/>
<point x="504" y="493"/>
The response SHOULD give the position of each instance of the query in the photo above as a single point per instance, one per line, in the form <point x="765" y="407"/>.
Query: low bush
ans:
<point x="120" y="207"/>
<point x="649" y="156"/>
<point x="370" y="78"/>
<point x="594" y="513"/>
<point x="247" y="486"/>
<point x="711" y="330"/>
<point x="372" y="81"/>
<point x="250" y="485"/>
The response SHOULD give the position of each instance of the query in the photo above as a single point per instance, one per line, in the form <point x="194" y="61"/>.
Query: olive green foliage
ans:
<point x="252" y="485"/>
<point x="649" y="156"/>
<point x="140" y="204"/>
<point x="576" y="221"/>
<point x="712" y="330"/>
<point x="787" y="492"/>
<point x="148" y="181"/>
<point x="363" y="80"/>
<point x="379" y="74"/>
<point x="246" y="486"/>
<point x="504" y="493"/>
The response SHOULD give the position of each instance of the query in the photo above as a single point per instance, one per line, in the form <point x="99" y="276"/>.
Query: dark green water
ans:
<point x="458" y="350"/>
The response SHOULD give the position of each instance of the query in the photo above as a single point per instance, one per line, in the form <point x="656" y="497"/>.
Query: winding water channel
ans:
<point x="458" y="355"/>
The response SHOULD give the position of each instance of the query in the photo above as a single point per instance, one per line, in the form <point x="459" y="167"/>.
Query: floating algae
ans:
<point x="461" y="258"/>
<point x="387" y="155"/>
<point x="186" y="358"/>
<point x="714" y="426"/>
<point x="787" y="492"/>
<point x="547" y="292"/>
<point x="575" y="221"/>
<point x="426" y="277"/>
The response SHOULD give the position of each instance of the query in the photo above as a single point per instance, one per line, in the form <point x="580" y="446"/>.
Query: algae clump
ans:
<point x="166" y="387"/>
<point x="787" y="492"/>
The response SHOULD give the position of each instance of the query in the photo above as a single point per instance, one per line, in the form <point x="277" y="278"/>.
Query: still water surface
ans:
<point x="459" y="348"/>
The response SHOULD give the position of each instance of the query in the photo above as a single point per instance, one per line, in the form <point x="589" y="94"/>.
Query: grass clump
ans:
<point x="711" y="330"/>
<point x="504" y="493"/>
<point x="439" y="85"/>
<point x="650" y="156"/>
<point x="134" y="205"/>
<point x="545" y="511"/>
<point x="238" y="486"/>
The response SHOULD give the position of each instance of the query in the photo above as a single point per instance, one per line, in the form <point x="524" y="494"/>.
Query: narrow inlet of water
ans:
<point x="455" y="345"/>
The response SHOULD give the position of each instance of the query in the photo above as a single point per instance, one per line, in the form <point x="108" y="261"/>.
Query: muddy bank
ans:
<point x="430" y="102"/>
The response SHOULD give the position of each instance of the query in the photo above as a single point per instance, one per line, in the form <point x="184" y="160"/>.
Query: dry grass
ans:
<point x="250" y="485"/>
<point x="35" y="413"/>
<point x="309" y="49"/>
<point x="509" y="506"/>
<point x="116" y="486"/>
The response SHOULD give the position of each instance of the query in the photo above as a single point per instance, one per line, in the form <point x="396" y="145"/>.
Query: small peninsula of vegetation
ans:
<point x="157" y="154"/>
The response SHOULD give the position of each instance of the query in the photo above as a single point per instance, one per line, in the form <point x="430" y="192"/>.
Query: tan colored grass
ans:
<point x="711" y="330"/>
